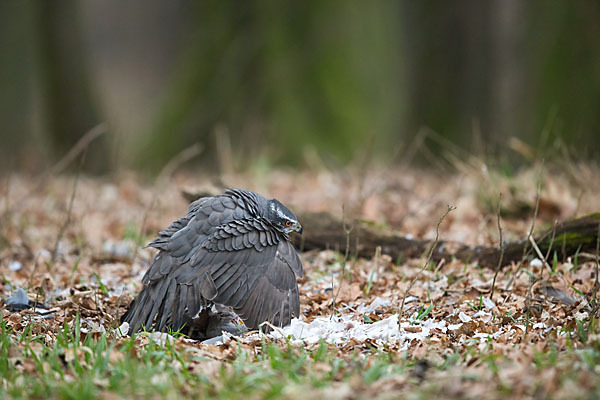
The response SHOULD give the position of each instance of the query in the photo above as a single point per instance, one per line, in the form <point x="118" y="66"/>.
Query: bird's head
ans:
<point x="282" y="217"/>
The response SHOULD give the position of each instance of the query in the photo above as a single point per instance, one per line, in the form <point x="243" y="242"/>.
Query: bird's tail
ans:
<point x="152" y="308"/>
<point x="143" y="309"/>
<point x="167" y="303"/>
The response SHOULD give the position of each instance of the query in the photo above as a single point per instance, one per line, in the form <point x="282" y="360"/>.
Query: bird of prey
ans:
<point x="230" y="251"/>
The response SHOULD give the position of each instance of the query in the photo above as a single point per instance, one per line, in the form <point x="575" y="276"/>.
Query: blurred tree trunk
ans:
<point x="15" y="81"/>
<point x="280" y="78"/>
<point x="510" y="65"/>
<point x="565" y="53"/>
<point x="448" y="54"/>
<point x="67" y="101"/>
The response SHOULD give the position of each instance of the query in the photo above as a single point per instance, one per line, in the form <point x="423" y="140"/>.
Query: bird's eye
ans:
<point x="288" y="223"/>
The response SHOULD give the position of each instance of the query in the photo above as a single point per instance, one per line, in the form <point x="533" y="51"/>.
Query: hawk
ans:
<point x="229" y="252"/>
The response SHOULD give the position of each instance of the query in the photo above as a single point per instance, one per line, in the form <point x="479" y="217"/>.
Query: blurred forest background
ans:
<point x="294" y="83"/>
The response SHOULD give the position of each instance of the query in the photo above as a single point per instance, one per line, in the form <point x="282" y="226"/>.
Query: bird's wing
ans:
<point x="164" y="236"/>
<point x="203" y="217"/>
<point x="247" y="265"/>
<point x="265" y="292"/>
<point x="184" y="236"/>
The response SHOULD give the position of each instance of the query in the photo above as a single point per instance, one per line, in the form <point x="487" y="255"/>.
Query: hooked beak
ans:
<point x="299" y="228"/>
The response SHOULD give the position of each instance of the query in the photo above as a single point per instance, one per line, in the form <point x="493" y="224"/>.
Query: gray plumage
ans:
<point x="231" y="250"/>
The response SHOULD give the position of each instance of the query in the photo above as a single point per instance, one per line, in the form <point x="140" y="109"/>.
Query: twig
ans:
<point x="563" y="248"/>
<point x="411" y="150"/>
<point x="501" y="244"/>
<point x="527" y="251"/>
<point x="344" y="261"/>
<point x="118" y="318"/>
<point x="81" y="145"/>
<point x="441" y="263"/>
<point x="530" y="234"/>
<point x="539" y="252"/>
<point x="596" y="284"/>
<point x="550" y="245"/>
<point x="535" y="212"/>
<point x="182" y="157"/>
<point x="37" y="295"/>
<point x="275" y="328"/>
<point x="64" y="226"/>
<point x="165" y="173"/>
<point x="433" y="245"/>
<point x="593" y="302"/>
<point x="552" y="239"/>
<point x="35" y="266"/>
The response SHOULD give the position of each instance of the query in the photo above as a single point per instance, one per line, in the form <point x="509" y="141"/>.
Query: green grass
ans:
<point x="76" y="365"/>
<point x="84" y="366"/>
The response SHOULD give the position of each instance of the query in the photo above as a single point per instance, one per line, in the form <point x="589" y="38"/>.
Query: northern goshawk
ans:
<point x="231" y="250"/>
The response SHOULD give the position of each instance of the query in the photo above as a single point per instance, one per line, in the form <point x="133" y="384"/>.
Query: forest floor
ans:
<point x="75" y="245"/>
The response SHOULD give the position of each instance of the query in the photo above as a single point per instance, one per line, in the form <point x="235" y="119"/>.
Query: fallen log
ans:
<point x="565" y="238"/>
<point x="323" y="231"/>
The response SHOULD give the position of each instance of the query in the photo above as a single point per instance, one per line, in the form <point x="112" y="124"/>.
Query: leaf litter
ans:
<point x="449" y="317"/>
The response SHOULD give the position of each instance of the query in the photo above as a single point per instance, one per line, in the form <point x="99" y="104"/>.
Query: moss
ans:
<point x="569" y="239"/>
